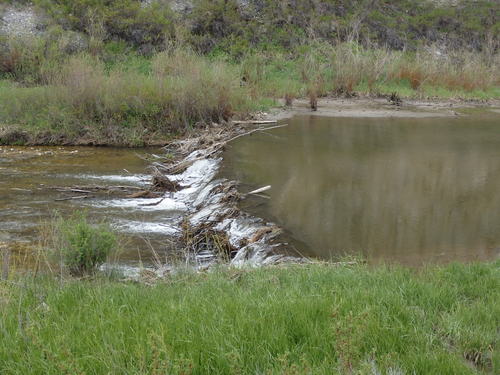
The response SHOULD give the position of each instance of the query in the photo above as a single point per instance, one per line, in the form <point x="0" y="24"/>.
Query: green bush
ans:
<point x="81" y="246"/>
<point x="126" y="20"/>
<point x="37" y="59"/>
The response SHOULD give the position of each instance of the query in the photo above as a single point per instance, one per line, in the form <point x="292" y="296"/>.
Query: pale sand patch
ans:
<point x="368" y="107"/>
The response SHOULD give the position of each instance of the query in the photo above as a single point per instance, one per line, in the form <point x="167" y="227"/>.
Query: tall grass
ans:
<point x="85" y="98"/>
<point x="347" y="68"/>
<point x="315" y="319"/>
<point x="126" y="107"/>
<point x="455" y="71"/>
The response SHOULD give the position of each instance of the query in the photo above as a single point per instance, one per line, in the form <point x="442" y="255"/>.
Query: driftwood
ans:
<point x="72" y="198"/>
<point x="94" y="188"/>
<point x="260" y="233"/>
<point x="90" y="191"/>
<point x="143" y="194"/>
<point x="163" y="183"/>
<point x="216" y="145"/>
<point x="256" y="130"/>
<point x="261" y="190"/>
<point x="255" y="122"/>
<point x="152" y="204"/>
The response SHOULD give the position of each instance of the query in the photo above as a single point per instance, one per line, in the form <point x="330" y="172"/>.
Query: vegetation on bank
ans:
<point x="138" y="100"/>
<point x="89" y="103"/>
<point x="313" y="319"/>
<point x="122" y="73"/>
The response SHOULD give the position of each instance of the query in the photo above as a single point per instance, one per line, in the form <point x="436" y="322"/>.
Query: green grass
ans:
<point x="315" y="319"/>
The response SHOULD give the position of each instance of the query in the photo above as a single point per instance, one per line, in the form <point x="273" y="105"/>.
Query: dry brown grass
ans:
<point x="457" y="70"/>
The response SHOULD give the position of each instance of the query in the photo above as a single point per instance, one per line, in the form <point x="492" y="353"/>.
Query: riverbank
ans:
<point x="373" y="107"/>
<point x="308" y="319"/>
<point x="269" y="109"/>
<point x="133" y="100"/>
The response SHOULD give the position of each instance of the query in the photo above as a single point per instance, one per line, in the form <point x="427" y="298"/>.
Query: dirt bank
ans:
<point x="332" y="107"/>
<point x="382" y="107"/>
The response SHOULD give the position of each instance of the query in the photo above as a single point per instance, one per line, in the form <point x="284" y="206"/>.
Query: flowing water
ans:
<point x="410" y="191"/>
<point x="30" y="176"/>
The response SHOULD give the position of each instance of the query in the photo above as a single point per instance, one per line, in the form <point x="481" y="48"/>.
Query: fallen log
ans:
<point x="143" y="194"/>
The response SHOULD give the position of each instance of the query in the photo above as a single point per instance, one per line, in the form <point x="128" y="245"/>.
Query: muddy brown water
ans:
<point x="28" y="176"/>
<point x="409" y="191"/>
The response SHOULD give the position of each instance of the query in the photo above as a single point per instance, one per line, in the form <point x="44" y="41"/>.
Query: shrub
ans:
<point x="126" y="20"/>
<point x="82" y="247"/>
<point x="36" y="59"/>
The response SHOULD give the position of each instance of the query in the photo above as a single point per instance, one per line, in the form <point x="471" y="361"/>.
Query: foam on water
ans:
<point x="132" y="226"/>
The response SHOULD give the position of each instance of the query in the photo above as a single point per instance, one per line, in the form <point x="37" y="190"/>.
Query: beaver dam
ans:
<point x="405" y="190"/>
<point x="167" y="204"/>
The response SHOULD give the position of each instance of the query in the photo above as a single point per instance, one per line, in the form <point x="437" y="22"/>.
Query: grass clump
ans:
<point x="80" y="246"/>
<point x="312" y="319"/>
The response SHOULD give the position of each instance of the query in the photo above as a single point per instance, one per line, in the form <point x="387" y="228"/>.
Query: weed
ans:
<point x="82" y="247"/>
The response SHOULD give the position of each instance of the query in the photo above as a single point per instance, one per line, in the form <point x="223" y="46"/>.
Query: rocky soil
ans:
<point x="20" y="21"/>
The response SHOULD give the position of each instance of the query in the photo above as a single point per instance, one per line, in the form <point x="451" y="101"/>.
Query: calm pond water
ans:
<point x="410" y="191"/>
<point x="29" y="176"/>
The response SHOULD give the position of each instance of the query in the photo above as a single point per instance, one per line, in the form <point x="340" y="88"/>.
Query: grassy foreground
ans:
<point x="316" y="319"/>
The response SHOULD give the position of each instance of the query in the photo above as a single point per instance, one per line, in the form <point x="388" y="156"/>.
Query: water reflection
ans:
<point x="405" y="190"/>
